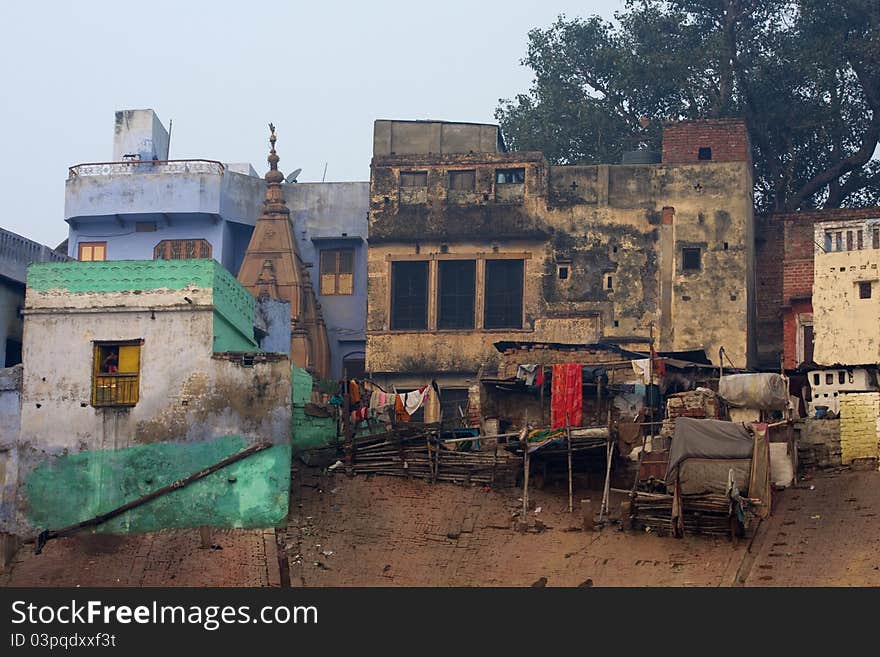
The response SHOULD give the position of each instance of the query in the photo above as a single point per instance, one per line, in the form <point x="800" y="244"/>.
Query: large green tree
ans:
<point x="804" y="74"/>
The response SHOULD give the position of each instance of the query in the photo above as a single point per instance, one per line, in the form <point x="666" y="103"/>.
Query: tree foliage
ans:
<point x="804" y="74"/>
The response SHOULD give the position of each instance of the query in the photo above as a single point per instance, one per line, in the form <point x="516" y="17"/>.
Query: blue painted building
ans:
<point x="16" y="253"/>
<point x="140" y="205"/>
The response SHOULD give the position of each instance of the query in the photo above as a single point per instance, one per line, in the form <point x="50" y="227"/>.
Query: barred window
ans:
<point x="182" y="249"/>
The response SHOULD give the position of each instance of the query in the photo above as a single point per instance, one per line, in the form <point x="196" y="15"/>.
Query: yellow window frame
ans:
<point x="122" y="386"/>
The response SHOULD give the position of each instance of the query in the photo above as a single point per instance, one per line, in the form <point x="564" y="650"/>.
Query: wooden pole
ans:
<point x="570" y="486"/>
<point x="525" y="442"/>
<point x="606" y="491"/>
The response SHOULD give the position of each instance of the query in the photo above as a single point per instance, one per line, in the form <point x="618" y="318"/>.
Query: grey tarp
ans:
<point x="707" y="439"/>
<point x="767" y="392"/>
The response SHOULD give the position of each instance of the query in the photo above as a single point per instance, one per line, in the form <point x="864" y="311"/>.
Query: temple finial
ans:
<point x="273" y="175"/>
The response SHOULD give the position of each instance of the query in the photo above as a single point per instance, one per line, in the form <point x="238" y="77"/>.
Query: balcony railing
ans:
<point x="115" y="390"/>
<point x="128" y="167"/>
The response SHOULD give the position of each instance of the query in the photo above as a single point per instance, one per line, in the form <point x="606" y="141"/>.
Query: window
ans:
<point x="690" y="259"/>
<point x="413" y="178"/>
<point x="182" y="249"/>
<point x="337" y="271"/>
<point x="116" y="373"/>
<point x="510" y="176"/>
<point x="838" y="238"/>
<point x="462" y="181"/>
<point x="859" y="240"/>
<point x="705" y="153"/>
<point x="409" y="295"/>
<point x="829" y="241"/>
<point x="562" y="272"/>
<point x="849" y="240"/>
<point x="609" y="282"/>
<point x="841" y="377"/>
<point x="92" y="251"/>
<point x="453" y="405"/>
<point x="829" y="378"/>
<point x="875" y="239"/>
<point x="504" y="294"/>
<point x="456" y="281"/>
<point x="864" y="289"/>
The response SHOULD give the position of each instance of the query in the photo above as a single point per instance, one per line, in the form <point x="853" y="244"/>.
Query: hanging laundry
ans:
<point x="566" y="402"/>
<point x="539" y="378"/>
<point x="354" y="392"/>
<point x="400" y="409"/>
<point x="527" y="373"/>
<point x="413" y="401"/>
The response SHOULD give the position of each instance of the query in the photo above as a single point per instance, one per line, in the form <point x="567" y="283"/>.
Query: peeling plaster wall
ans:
<point x="627" y="221"/>
<point x="846" y="326"/>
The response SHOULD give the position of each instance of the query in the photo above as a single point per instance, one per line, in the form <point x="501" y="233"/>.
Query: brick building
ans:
<point x="785" y="254"/>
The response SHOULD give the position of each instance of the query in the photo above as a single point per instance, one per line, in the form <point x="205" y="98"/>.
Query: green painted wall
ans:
<point x="307" y="432"/>
<point x="121" y="275"/>
<point x="76" y="487"/>
<point x="228" y="338"/>
<point x="233" y="313"/>
<point x="233" y="305"/>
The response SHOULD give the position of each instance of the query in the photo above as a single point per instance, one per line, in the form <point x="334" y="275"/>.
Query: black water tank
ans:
<point x="641" y="156"/>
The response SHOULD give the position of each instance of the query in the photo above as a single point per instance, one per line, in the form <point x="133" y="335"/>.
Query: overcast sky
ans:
<point x="322" y="71"/>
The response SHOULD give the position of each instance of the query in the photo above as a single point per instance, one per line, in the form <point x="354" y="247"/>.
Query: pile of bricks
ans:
<point x="701" y="403"/>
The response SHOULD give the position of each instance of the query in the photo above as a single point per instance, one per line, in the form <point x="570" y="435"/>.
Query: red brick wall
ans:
<point x="769" y="243"/>
<point x="728" y="139"/>
<point x="784" y="253"/>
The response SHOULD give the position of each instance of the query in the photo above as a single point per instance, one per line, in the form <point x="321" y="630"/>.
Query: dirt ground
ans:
<point x="383" y="531"/>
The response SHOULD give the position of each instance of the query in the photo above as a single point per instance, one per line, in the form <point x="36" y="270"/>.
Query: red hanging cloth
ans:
<point x="566" y="396"/>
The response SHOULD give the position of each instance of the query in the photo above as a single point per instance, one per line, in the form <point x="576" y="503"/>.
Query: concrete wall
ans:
<point x="845" y="325"/>
<point x="439" y="137"/>
<point x="859" y="426"/>
<point x="139" y="132"/>
<point x="630" y="222"/>
<point x="818" y="443"/>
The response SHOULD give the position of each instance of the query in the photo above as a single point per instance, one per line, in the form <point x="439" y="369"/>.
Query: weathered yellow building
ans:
<point x="471" y="245"/>
<point x="846" y="294"/>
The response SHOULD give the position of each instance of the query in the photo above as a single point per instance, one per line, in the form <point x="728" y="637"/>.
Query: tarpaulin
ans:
<point x="766" y="392"/>
<point x="707" y="439"/>
<point x="566" y="403"/>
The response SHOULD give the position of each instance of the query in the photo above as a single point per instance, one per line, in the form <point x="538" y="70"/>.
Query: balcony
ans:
<point x="161" y="187"/>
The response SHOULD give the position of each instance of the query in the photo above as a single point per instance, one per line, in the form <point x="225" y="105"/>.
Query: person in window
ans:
<point x="110" y="365"/>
